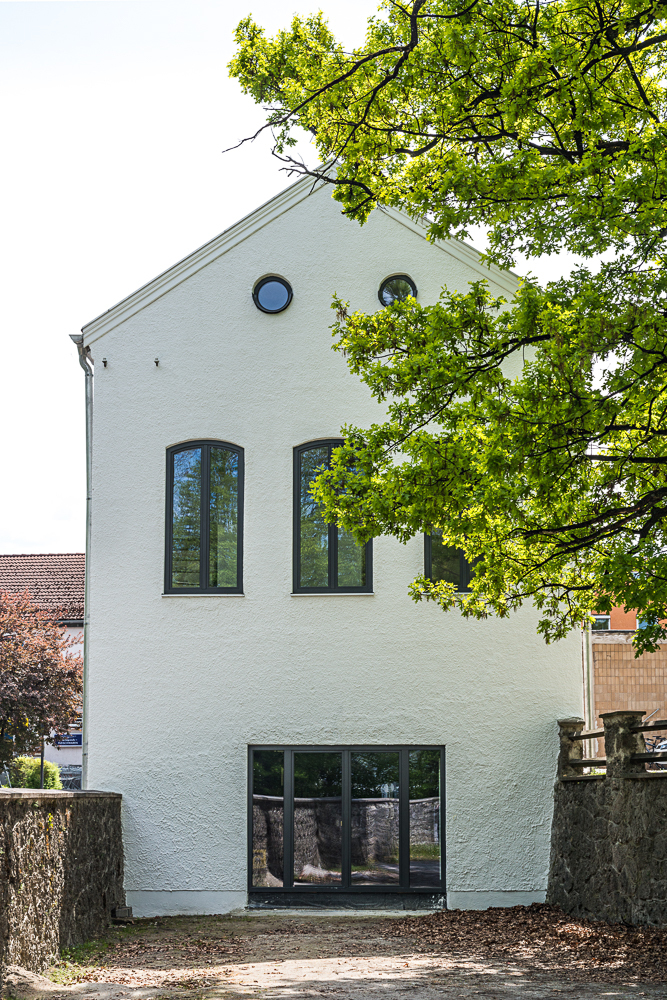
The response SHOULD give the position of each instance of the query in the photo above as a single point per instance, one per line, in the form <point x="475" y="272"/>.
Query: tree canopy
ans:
<point x="40" y="677"/>
<point x="530" y="432"/>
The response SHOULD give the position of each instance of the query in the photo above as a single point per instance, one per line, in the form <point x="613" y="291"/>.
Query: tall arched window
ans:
<point x="326" y="558"/>
<point x="204" y="546"/>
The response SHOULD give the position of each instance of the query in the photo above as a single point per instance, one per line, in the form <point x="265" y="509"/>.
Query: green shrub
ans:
<point x="24" y="773"/>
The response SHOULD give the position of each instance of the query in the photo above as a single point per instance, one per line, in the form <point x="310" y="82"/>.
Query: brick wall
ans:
<point x="622" y="682"/>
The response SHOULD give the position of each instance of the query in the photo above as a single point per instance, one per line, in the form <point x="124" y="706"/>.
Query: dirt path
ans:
<point x="348" y="958"/>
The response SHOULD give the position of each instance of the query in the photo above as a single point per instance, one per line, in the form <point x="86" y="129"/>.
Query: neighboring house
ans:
<point x="617" y="680"/>
<point x="285" y="725"/>
<point x="54" y="581"/>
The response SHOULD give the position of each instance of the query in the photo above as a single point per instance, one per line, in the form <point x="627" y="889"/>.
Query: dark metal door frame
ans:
<point x="346" y="886"/>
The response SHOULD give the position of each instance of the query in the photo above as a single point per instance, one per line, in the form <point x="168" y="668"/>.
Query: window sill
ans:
<point x="199" y="596"/>
<point x="337" y="593"/>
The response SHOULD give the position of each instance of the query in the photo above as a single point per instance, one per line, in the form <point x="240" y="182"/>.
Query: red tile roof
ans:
<point x="54" y="580"/>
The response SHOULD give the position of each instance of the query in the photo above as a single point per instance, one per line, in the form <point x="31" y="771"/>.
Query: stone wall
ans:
<point x="61" y="871"/>
<point x="609" y="833"/>
<point x="609" y="850"/>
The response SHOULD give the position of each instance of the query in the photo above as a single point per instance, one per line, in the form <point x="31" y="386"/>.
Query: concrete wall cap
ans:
<point x="628" y="713"/>
<point x="55" y="793"/>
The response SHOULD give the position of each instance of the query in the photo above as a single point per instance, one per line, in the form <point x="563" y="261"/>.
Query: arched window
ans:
<point x="326" y="558"/>
<point x="204" y="546"/>
<point x="446" y="562"/>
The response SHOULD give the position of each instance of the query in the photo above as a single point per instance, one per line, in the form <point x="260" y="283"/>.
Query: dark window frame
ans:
<point x="396" y="277"/>
<point x="346" y="886"/>
<point x="367" y="588"/>
<point x="205" y="444"/>
<point x="465" y="569"/>
<point x="264" y="281"/>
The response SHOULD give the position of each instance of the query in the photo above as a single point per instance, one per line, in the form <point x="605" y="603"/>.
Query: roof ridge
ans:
<point x="37" y="555"/>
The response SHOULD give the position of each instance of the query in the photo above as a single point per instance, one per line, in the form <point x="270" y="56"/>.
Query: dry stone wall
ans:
<point x="609" y="833"/>
<point x="609" y="850"/>
<point x="61" y="871"/>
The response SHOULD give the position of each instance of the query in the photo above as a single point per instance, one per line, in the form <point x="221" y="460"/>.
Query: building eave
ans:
<point x="463" y="252"/>
<point x="195" y="261"/>
<point x="248" y="226"/>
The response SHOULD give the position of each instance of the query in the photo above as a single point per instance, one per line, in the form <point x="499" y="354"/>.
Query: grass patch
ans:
<point x="75" y="962"/>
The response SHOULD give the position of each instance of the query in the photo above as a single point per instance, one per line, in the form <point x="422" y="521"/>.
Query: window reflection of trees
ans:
<point x="318" y="790"/>
<point x="329" y="557"/>
<point x="424" y="817"/>
<point x="375" y="818"/>
<point x="268" y="818"/>
<point x="223" y="524"/>
<point x="205" y="519"/>
<point x="351" y="561"/>
<point x="186" y="539"/>
<point x="314" y="530"/>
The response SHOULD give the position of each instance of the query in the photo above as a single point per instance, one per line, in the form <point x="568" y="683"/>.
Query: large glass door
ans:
<point x="318" y="818"/>
<point x="364" y="819"/>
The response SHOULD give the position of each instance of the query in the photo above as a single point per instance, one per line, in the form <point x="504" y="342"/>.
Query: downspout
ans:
<point x="86" y="363"/>
<point x="589" y="685"/>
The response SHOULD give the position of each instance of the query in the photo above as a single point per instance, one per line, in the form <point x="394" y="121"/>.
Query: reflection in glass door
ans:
<point x="375" y="811"/>
<point x="425" y="817"/>
<point x="357" y="818"/>
<point x="267" y="818"/>
<point x="318" y="818"/>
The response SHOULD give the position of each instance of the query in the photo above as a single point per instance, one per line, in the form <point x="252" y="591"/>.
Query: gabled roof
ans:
<point x="249" y="225"/>
<point x="53" y="580"/>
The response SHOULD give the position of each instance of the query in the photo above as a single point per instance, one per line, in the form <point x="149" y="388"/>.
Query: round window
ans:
<point x="396" y="289"/>
<point x="272" y="294"/>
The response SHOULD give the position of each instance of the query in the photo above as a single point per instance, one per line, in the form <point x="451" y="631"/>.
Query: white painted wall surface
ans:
<point x="179" y="686"/>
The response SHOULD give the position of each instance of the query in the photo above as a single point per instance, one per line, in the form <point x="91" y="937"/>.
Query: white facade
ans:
<point x="179" y="686"/>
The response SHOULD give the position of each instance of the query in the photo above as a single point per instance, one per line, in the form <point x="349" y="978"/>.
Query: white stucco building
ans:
<point x="233" y="640"/>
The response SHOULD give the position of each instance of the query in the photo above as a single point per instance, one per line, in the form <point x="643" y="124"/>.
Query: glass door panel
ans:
<point x="318" y="818"/>
<point x="268" y="818"/>
<point x="374" y="818"/>
<point x="425" y="818"/>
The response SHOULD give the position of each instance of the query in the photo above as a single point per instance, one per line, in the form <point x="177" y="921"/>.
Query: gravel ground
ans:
<point x="532" y="952"/>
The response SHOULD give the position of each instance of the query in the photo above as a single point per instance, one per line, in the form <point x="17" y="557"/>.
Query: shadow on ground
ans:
<point x="283" y="956"/>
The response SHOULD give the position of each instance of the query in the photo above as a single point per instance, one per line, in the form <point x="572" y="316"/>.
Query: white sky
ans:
<point x="113" y="118"/>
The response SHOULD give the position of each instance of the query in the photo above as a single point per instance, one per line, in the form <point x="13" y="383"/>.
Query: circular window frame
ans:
<point x="264" y="281"/>
<point x="395" y="277"/>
